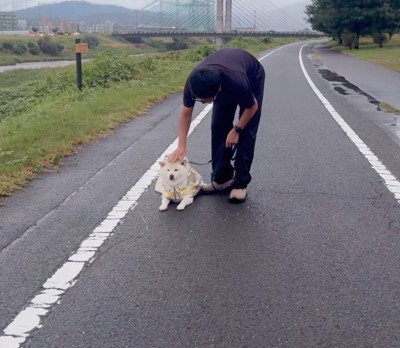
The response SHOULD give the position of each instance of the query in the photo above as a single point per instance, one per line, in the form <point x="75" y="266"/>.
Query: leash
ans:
<point x="222" y="148"/>
<point x="218" y="159"/>
<point x="201" y="164"/>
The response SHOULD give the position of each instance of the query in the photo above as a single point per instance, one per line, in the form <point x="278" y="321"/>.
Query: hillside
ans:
<point x="76" y="11"/>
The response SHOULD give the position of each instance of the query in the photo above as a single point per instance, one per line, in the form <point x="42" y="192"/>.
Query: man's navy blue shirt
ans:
<point x="239" y="72"/>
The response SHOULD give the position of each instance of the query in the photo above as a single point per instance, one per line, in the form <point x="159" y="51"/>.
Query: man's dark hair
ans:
<point x="204" y="83"/>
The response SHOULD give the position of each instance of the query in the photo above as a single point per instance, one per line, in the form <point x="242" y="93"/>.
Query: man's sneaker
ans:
<point x="213" y="187"/>
<point x="238" y="195"/>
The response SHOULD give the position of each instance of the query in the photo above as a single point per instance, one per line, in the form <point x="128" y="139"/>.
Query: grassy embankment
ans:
<point x="43" y="116"/>
<point x="387" y="56"/>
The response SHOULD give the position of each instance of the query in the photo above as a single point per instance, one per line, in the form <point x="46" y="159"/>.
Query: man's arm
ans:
<point x="185" y="118"/>
<point x="233" y="136"/>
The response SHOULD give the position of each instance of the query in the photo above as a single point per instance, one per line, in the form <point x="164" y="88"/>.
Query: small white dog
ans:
<point x="178" y="182"/>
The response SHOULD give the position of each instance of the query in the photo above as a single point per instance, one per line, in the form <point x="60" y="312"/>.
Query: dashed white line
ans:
<point x="15" y="334"/>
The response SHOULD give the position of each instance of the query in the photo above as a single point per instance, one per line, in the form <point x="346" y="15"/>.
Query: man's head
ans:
<point x="204" y="84"/>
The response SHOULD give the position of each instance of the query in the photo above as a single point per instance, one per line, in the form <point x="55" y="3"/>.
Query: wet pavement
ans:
<point x="344" y="87"/>
<point x="352" y="75"/>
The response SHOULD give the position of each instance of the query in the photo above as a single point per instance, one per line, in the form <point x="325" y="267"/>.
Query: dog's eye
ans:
<point x="176" y="170"/>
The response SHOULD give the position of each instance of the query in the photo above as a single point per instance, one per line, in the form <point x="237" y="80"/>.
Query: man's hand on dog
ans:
<point x="177" y="155"/>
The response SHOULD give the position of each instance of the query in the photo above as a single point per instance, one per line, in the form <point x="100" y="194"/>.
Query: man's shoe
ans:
<point x="213" y="187"/>
<point x="238" y="195"/>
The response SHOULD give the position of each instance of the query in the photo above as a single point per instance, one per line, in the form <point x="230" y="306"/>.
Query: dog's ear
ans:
<point x="162" y="163"/>
<point x="184" y="161"/>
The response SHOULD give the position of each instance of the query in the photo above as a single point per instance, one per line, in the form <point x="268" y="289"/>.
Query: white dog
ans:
<point x="178" y="182"/>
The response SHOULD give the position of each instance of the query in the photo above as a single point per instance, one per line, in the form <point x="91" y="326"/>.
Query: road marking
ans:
<point x="30" y="318"/>
<point x="390" y="181"/>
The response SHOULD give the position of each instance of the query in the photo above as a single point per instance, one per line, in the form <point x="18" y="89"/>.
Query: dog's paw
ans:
<point x="163" y="207"/>
<point x="184" y="203"/>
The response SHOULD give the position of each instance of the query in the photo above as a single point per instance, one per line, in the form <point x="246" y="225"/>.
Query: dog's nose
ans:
<point x="171" y="177"/>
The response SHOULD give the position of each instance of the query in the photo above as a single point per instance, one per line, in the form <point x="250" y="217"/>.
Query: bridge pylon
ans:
<point x="224" y="23"/>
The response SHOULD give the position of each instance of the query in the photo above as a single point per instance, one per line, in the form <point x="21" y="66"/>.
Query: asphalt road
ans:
<point x="311" y="259"/>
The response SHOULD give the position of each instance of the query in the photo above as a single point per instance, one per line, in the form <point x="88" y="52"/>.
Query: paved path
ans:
<point x="381" y="83"/>
<point x="311" y="259"/>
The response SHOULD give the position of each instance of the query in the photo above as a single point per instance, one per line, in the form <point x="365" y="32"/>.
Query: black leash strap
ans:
<point x="220" y="152"/>
<point x="200" y="164"/>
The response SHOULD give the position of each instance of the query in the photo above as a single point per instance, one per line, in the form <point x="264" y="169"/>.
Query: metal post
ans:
<point x="78" y="66"/>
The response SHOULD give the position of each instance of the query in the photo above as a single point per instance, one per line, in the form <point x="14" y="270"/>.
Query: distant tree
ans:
<point x="49" y="47"/>
<point x="324" y="16"/>
<point x="34" y="29"/>
<point x="55" y="30"/>
<point x="347" y="20"/>
<point x="394" y="13"/>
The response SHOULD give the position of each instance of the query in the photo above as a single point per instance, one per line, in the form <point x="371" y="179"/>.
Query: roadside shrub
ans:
<point x="7" y="45"/>
<point x="19" y="49"/>
<point x="33" y="48"/>
<point x="177" y="44"/>
<point x="49" y="47"/>
<point x="266" y="40"/>
<point x="108" y="68"/>
<point x="238" y="42"/>
<point x="198" y="53"/>
<point x="91" y="40"/>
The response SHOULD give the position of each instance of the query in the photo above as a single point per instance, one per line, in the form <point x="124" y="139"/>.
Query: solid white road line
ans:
<point x="390" y="181"/>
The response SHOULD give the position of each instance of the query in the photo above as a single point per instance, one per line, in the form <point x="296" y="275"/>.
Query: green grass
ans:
<point x="14" y="78"/>
<point x="37" y="139"/>
<point x="387" y="56"/>
<point x="389" y="108"/>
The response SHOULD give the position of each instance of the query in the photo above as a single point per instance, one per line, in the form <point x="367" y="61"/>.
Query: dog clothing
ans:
<point x="193" y="184"/>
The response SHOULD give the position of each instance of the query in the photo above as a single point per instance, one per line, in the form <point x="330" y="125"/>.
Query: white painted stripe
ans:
<point x="15" y="334"/>
<point x="390" y="181"/>
<point x="65" y="277"/>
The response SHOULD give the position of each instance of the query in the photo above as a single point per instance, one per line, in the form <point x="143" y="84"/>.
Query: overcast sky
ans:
<point x="9" y="5"/>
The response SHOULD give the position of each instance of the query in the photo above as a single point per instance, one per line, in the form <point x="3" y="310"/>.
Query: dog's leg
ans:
<point x="186" y="201"/>
<point x="164" y="204"/>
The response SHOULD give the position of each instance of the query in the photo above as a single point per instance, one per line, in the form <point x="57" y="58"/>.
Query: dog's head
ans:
<point x="176" y="173"/>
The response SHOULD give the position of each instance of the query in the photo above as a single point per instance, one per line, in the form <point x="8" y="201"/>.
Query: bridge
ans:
<point x="213" y="18"/>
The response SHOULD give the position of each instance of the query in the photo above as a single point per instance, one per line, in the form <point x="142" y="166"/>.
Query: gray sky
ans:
<point x="8" y="5"/>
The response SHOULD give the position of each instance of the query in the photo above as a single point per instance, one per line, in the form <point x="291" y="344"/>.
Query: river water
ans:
<point x="37" y="65"/>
